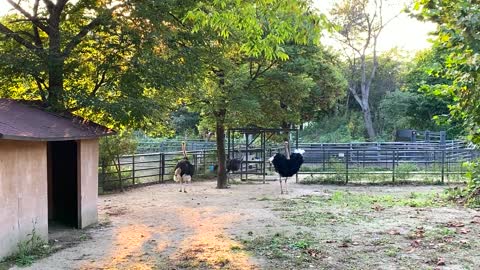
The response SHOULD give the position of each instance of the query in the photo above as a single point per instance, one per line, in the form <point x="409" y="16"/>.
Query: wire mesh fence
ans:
<point x="382" y="165"/>
<point x="337" y="163"/>
<point x="143" y="169"/>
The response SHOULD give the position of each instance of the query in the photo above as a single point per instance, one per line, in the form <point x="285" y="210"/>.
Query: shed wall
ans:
<point x="88" y="181"/>
<point x="23" y="192"/>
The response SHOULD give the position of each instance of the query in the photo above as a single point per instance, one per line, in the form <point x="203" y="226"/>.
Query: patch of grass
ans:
<point x="290" y="251"/>
<point x="414" y="199"/>
<point x="392" y="251"/>
<point x="347" y="207"/>
<point x="439" y="233"/>
<point x="235" y="248"/>
<point x="29" y="250"/>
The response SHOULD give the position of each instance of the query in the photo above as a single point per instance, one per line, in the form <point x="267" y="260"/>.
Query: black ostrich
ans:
<point x="233" y="165"/>
<point x="287" y="165"/>
<point x="184" y="170"/>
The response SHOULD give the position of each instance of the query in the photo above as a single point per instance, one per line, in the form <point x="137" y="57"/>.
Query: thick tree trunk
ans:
<point x="367" y="117"/>
<point x="221" y="157"/>
<point x="55" y="65"/>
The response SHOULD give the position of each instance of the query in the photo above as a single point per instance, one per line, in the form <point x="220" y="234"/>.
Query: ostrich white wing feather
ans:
<point x="271" y="159"/>
<point x="299" y="151"/>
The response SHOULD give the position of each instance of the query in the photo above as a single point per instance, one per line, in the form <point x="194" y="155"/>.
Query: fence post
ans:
<point x="347" y="157"/>
<point x="163" y="168"/>
<point x="104" y="176"/>
<point x="443" y="165"/>
<point x="133" y="169"/>
<point x="204" y="162"/>
<point x="159" y="167"/>
<point x="195" y="160"/>
<point x="393" y="166"/>
<point x="323" y="157"/>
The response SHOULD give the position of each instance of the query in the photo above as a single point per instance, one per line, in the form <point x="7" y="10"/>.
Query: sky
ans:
<point x="404" y="32"/>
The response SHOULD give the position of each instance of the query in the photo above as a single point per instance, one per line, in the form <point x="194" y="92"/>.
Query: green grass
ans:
<point x="347" y="207"/>
<point x="295" y="251"/>
<point x="29" y="251"/>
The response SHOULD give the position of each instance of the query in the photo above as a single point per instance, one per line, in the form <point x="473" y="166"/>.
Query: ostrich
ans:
<point x="233" y="165"/>
<point x="287" y="165"/>
<point x="184" y="170"/>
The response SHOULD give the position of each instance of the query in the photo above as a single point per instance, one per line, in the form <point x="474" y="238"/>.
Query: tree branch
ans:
<point x="15" y="36"/>
<point x="36" y="34"/>
<point x="41" y="85"/>
<point x="87" y="28"/>
<point x="99" y="83"/>
<point x="32" y="18"/>
<point x="355" y="95"/>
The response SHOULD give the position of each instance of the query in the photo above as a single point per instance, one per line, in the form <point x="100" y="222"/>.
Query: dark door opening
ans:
<point x="63" y="183"/>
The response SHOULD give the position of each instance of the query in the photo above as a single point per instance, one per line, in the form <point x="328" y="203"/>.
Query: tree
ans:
<point x="457" y="33"/>
<point x="296" y="91"/>
<point x="360" y="23"/>
<point x="431" y="108"/>
<point x="242" y="40"/>
<point x="98" y="59"/>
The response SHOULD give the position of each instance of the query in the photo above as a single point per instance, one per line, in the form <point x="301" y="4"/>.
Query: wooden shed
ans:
<point x="48" y="171"/>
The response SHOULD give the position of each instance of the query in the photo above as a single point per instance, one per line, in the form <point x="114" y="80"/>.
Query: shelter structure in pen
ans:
<point x="48" y="171"/>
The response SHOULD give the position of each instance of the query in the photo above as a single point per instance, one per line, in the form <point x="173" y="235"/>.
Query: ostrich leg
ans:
<point x="286" y="188"/>
<point x="181" y="184"/>
<point x="281" y="188"/>
<point x="185" y="188"/>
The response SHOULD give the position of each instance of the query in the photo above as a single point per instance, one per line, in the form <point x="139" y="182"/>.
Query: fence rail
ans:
<point x="360" y="162"/>
<point x="151" y="168"/>
<point x="367" y="165"/>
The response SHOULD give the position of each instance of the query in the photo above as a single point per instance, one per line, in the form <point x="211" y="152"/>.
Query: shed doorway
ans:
<point x="63" y="184"/>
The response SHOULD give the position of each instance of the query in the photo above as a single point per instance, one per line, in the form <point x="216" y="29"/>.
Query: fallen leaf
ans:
<point x="419" y="232"/>
<point x="378" y="207"/>
<point x="455" y="224"/>
<point x="394" y="232"/>
<point x="464" y="231"/>
<point x="476" y="220"/>
<point x="440" y="261"/>
<point x="448" y="239"/>
<point x="312" y="252"/>
<point x="416" y="243"/>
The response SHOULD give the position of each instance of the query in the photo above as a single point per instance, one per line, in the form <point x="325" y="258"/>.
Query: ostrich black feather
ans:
<point x="287" y="167"/>
<point x="233" y="164"/>
<point x="185" y="167"/>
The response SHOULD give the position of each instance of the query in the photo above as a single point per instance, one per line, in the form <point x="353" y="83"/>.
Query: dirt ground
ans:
<point x="156" y="227"/>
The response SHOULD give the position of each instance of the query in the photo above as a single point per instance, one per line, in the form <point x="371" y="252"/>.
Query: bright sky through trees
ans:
<point x="403" y="32"/>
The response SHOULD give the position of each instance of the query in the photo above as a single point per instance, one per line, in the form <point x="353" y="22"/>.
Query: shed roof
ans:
<point x="22" y="120"/>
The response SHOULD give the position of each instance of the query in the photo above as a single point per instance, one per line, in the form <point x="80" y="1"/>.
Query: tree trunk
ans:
<point x="55" y="65"/>
<point x="221" y="158"/>
<point x="367" y="117"/>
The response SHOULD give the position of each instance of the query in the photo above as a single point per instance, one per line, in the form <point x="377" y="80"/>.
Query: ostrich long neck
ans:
<point x="184" y="151"/>
<point x="287" y="151"/>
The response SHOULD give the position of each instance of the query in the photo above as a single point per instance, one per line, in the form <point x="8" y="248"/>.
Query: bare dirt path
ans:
<point x="156" y="227"/>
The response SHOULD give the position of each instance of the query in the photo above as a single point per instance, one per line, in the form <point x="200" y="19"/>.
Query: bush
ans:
<point x="112" y="148"/>
<point x="335" y="128"/>
<point x="470" y="195"/>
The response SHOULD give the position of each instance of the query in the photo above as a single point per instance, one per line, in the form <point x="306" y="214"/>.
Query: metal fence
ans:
<point x="154" y="146"/>
<point x="144" y="169"/>
<point x="347" y="163"/>
<point x="380" y="165"/>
